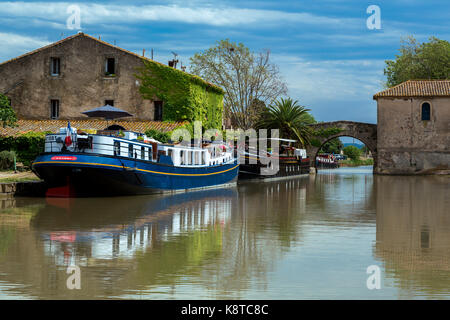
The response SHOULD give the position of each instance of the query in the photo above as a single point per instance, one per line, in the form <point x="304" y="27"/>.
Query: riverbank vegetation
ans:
<point x="7" y="159"/>
<point x="11" y="176"/>
<point x="26" y="146"/>
<point x="354" y="153"/>
<point x="355" y="158"/>
<point x="356" y="163"/>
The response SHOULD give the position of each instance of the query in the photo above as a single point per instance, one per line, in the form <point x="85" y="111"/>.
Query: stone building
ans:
<point x="63" y="79"/>
<point x="413" y="134"/>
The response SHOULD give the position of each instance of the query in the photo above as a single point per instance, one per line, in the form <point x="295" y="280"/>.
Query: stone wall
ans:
<point x="365" y="132"/>
<point x="81" y="85"/>
<point x="408" y="145"/>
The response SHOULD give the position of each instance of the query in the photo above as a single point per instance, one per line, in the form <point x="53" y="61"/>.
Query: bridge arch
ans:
<point x="365" y="132"/>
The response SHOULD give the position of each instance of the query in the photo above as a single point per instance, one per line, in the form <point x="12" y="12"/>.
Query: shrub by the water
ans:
<point x="27" y="146"/>
<point x="7" y="160"/>
<point x="352" y="152"/>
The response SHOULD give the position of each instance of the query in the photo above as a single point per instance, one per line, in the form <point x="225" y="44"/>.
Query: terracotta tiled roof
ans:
<point x="25" y="126"/>
<point x="418" y="88"/>
<point x="81" y="34"/>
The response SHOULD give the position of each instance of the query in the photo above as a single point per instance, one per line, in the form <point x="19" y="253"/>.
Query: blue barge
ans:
<point x="129" y="163"/>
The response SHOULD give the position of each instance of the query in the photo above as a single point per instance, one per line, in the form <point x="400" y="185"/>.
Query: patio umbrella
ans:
<point x="107" y="112"/>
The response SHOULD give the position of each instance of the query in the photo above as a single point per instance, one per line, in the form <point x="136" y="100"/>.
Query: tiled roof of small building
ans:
<point x="417" y="88"/>
<point x="25" y="126"/>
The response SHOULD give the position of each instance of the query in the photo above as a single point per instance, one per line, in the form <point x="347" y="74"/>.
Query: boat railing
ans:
<point x="87" y="144"/>
<point x="135" y="149"/>
<point x="76" y="146"/>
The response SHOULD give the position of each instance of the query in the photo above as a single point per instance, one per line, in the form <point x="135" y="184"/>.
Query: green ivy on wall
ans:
<point x="186" y="97"/>
<point x="315" y="142"/>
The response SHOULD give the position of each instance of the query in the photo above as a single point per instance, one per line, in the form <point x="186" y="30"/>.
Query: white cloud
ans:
<point x="16" y="44"/>
<point x="334" y="89"/>
<point x="218" y="16"/>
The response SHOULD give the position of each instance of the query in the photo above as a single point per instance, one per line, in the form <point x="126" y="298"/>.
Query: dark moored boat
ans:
<point x="292" y="162"/>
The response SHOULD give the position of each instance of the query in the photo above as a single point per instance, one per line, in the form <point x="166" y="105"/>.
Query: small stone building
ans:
<point x="79" y="73"/>
<point x="413" y="134"/>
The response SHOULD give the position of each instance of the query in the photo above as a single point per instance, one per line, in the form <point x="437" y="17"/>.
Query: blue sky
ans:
<point x="332" y="62"/>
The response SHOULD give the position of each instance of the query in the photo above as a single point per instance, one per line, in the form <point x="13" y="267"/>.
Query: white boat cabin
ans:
<point x="128" y="144"/>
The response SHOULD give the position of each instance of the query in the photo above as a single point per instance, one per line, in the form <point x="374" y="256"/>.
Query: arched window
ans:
<point x="426" y="111"/>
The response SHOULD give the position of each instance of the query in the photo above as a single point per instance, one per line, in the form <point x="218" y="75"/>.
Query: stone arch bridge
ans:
<point x="326" y="131"/>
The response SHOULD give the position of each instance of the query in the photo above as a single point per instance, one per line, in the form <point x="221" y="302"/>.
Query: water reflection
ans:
<point x="311" y="237"/>
<point x="413" y="233"/>
<point x="138" y="245"/>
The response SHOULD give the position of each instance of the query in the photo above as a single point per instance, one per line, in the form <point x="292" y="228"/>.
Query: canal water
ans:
<point x="307" y="238"/>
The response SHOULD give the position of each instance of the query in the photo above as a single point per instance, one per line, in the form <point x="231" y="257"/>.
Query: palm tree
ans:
<point x="290" y="118"/>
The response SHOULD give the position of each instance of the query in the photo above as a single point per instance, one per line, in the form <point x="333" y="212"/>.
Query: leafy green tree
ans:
<point x="308" y="118"/>
<point x="352" y="152"/>
<point x="7" y="115"/>
<point x="365" y="150"/>
<point x="246" y="77"/>
<point x="428" y="60"/>
<point x="290" y="118"/>
<point x="332" y="146"/>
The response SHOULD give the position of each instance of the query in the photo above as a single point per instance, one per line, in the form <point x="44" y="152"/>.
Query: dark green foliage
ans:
<point x="7" y="115"/>
<point x="315" y="142"/>
<point x="289" y="117"/>
<point x="309" y="118"/>
<point x="163" y="137"/>
<point x="186" y="97"/>
<point x="428" y="60"/>
<point x="27" y="146"/>
<point x="324" y="133"/>
<point x="332" y="146"/>
<point x="7" y="160"/>
<point x="352" y="152"/>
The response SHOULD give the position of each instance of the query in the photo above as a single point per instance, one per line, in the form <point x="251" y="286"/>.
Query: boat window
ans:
<point x="171" y="153"/>
<point x="143" y="153"/>
<point x="117" y="148"/>
<point x="191" y="156"/>
<point x="130" y="150"/>
<point x="181" y="156"/>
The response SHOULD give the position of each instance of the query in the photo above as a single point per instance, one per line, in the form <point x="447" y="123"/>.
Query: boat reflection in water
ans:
<point x="159" y="246"/>
<point x="81" y="231"/>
